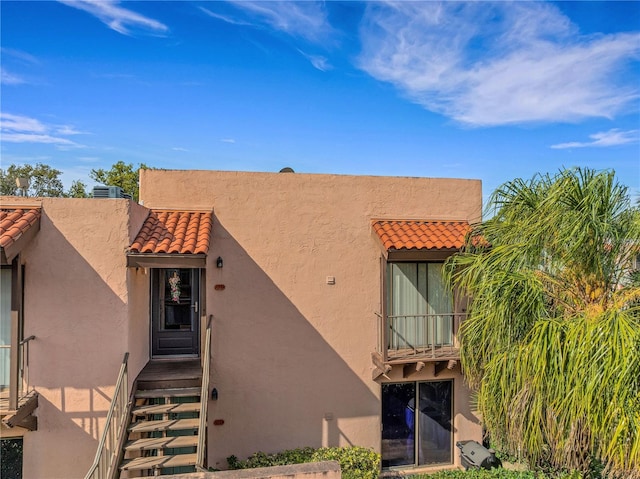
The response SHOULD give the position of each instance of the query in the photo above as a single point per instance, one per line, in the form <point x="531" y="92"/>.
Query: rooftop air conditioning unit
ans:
<point x="110" y="192"/>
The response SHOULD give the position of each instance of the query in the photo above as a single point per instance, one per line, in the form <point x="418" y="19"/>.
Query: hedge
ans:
<point x="355" y="462"/>
<point x="498" y="473"/>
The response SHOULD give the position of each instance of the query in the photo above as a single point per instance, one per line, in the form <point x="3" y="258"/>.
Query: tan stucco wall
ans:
<point x="292" y="354"/>
<point x="77" y="295"/>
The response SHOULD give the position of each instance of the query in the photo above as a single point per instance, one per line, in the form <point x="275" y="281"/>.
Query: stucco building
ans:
<point x="284" y="309"/>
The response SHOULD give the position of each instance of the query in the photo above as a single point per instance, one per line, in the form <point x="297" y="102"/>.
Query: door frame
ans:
<point x="155" y="298"/>
<point x="416" y="426"/>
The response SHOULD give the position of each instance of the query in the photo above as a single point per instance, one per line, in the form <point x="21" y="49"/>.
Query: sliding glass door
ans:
<point x="419" y="435"/>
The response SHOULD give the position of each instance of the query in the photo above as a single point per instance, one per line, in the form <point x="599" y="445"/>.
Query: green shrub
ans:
<point x="261" y="459"/>
<point x="498" y="473"/>
<point x="355" y="462"/>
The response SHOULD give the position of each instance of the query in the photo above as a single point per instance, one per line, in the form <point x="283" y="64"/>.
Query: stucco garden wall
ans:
<point x="291" y="353"/>
<point x="311" y="470"/>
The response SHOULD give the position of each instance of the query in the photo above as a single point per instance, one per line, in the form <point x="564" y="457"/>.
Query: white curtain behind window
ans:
<point x="419" y="305"/>
<point x="407" y="305"/>
<point x="440" y="304"/>
<point x="5" y="325"/>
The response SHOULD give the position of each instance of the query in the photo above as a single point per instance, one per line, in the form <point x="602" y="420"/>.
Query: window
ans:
<point x="176" y="298"/>
<point x="419" y="306"/>
<point x="415" y="436"/>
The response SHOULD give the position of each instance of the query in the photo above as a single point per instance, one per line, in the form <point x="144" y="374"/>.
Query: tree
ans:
<point x="43" y="180"/>
<point x="552" y="338"/>
<point x="78" y="190"/>
<point x="122" y="175"/>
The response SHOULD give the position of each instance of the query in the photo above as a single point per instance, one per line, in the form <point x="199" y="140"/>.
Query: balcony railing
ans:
<point x="419" y="336"/>
<point x="19" y="385"/>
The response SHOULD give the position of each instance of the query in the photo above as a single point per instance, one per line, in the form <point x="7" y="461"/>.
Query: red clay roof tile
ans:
<point x="421" y="234"/>
<point x="14" y="223"/>
<point x="174" y="232"/>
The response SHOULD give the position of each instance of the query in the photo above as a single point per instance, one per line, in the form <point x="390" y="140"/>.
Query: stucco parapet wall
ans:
<point x="309" y="470"/>
<point x="20" y="202"/>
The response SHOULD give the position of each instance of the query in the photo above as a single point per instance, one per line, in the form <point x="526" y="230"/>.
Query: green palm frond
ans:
<point x="552" y="340"/>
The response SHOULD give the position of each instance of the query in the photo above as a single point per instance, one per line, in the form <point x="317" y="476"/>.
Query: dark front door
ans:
<point x="175" y="295"/>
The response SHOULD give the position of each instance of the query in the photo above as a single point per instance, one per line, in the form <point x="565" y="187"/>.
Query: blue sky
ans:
<point x="492" y="91"/>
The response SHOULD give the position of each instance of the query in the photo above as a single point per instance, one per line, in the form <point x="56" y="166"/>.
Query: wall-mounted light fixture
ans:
<point x="219" y="262"/>
<point x="214" y="394"/>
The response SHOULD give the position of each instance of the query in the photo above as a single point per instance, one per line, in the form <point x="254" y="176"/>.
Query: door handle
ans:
<point x="195" y="306"/>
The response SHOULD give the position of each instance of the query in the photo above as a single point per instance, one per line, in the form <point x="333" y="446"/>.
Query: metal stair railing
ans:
<point x="105" y="465"/>
<point x="204" y="400"/>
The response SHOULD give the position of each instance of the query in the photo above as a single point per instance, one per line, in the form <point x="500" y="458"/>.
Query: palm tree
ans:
<point x="552" y="340"/>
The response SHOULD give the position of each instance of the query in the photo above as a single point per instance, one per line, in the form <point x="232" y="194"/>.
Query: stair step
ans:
<point x="165" y="425"/>
<point x="153" y="462"/>
<point x="170" y="392"/>
<point x="166" y="408"/>
<point x="161" y="443"/>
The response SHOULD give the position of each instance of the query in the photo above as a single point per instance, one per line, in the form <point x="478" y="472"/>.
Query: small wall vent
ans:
<point x="110" y="192"/>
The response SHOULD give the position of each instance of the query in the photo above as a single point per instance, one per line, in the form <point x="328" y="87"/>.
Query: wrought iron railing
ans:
<point x="201" y="451"/>
<point x="23" y="383"/>
<point x="105" y="464"/>
<point x="425" y="335"/>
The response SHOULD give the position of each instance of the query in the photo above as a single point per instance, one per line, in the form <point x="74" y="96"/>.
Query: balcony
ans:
<point x="416" y="339"/>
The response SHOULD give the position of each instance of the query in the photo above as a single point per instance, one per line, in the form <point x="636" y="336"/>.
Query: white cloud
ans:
<point x="224" y="18"/>
<point x="24" y="57"/>
<point x="117" y="18"/>
<point x="499" y="63"/>
<point x="318" y="61"/>
<point x="23" y="129"/>
<point x="35" y="138"/>
<point x="177" y="148"/>
<point x="7" y="78"/>
<point x="227" y="140"/>
<point x="612" y="137"/>
<point x="24" y="160"/>
<point x="19" y="123"/>
<point x="68" y="130"/>
<point x="307" y="19"/>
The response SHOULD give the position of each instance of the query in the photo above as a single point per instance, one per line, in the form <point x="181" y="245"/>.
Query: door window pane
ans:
<point x="11" y="458"/>
<point x="177" y="299"/>
<point x="398" y="421"/>
<point x="435" y="423"/>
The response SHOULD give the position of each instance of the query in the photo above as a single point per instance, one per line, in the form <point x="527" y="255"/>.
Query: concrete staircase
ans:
<point x="163" y="430"/>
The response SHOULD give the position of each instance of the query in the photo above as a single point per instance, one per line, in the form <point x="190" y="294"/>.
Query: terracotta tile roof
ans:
<point x="15" y="222"/>
<point x="174" y="232"/>
<point x="421" y="234"/>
